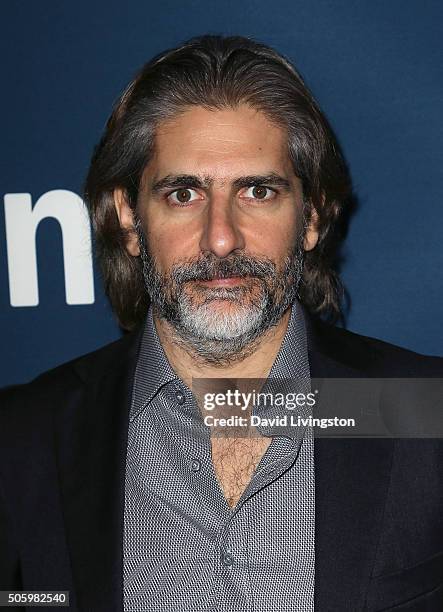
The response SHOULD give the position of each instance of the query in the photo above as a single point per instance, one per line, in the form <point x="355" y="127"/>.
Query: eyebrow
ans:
<point x="175" y="181"/>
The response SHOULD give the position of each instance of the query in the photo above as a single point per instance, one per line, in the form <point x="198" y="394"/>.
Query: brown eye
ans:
<point x="259" y="192"/>
<point x="183" y="195"/>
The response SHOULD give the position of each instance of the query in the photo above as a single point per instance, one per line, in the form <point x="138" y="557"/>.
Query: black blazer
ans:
<point x="379" y="502"/>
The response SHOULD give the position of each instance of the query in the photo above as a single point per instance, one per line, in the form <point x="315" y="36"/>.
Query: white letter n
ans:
<point x="21" y="221"/>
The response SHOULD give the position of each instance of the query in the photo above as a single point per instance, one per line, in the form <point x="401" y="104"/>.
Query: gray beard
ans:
<point x="221" y="336"/>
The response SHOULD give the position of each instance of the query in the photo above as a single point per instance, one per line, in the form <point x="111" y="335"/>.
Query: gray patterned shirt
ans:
<point x="185" y="549"/>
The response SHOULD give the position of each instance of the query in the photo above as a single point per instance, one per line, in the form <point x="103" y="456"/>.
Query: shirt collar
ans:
<point x="292" y="357"/>
<point x="290" y="373"/>
<point x="153" y="369"/>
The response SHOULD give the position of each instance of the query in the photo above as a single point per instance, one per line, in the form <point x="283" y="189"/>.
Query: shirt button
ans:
<point x="227" y="559"/>
<point x="180" y="397"/>
<point x="195" y="465"/>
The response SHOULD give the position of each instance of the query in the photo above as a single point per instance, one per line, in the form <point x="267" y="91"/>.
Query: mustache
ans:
<point x="211" y="267"/>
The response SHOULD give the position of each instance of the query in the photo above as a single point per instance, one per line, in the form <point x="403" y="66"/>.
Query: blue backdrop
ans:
<point x="375" y="68"/>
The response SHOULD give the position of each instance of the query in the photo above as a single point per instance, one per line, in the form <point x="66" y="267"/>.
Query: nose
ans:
<point x="221" y="233"/>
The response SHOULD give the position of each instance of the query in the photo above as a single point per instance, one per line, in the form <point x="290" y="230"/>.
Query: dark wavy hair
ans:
<point x="216" y="72"/>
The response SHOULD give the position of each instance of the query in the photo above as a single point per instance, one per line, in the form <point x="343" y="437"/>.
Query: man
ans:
<point x="215" y="194"/>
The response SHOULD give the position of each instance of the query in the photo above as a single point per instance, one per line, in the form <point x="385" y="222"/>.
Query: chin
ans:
<point x="221" y="320"/>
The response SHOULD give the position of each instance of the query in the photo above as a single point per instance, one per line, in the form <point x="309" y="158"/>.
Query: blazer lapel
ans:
<point x="91" y="434"/>
<point x="351" y="484"/>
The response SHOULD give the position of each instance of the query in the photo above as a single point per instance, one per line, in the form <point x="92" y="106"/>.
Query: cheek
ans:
<point x="168" y="245"/>
<point x="290" y="233"/>
<point x="159" y="250"/>
<point x="274" y="240"/>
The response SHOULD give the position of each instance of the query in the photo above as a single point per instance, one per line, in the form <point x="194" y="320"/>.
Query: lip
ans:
<point x="231" y="281"/>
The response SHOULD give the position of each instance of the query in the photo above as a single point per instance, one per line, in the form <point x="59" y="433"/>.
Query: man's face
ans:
<point x="220" y="226"/>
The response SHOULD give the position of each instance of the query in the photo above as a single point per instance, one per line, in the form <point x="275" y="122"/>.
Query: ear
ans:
<point x="311" y="235"/>
<point x="126" y="220"/>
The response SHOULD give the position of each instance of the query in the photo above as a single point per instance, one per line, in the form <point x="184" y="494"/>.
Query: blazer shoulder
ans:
<point x="372" y="355"/>
<point x="57" y="382"/>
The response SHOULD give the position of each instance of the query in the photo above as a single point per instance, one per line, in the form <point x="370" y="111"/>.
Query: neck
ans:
<point x="256" y="363"/>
